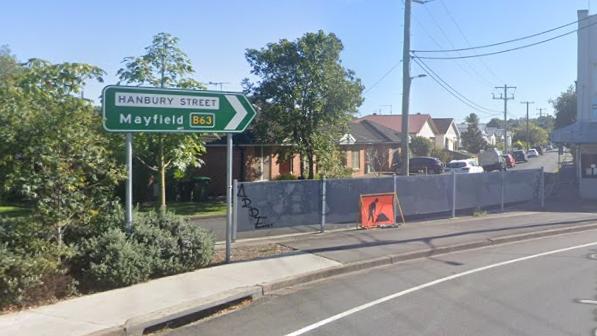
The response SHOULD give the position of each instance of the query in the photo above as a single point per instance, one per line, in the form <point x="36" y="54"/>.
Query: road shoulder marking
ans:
<point x="368" y="305"/>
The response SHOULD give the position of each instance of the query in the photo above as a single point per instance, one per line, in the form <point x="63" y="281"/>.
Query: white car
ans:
<point x="463" y="166"/>
<point x="532" y="153"/>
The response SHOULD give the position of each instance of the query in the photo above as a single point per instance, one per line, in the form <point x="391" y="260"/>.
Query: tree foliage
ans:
<point x="496" y="122"/>
<point x="421" y="146"/>
<point x="472" y="138"/>
<point x="164" y="64"/>
<point x="304" y="94"/>
<point x="54" y="153"/>
<point x="536" y="135"/>
<point x="565" y="106"/>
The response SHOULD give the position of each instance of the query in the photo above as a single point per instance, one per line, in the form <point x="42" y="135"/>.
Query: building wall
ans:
<point x="426" y="131"/>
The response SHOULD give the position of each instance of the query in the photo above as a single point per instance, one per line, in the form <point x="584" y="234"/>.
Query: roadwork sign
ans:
<point x="141" y="109"/>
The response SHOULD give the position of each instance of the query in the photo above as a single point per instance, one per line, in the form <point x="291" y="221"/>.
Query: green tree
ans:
<point x="565" y="106"/>
<point x="421" y="146"/>
<point x="472" y="138"/>
<point x="495" y="122"/>
<point x="535" y="136"/>
<point x="53" y="150"/>
<point x="164" y="64"/>
<point x="304" y="94"/>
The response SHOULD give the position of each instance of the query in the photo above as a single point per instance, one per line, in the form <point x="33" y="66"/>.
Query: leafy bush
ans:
<point x="160" y="244"/>
<point x="284" y="177"/>
<point x="112" y="260"/>
<point x="31" y="265"/>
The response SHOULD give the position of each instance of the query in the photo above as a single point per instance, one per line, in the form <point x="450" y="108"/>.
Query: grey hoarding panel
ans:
<point x="521" y="185"/>
<point x="343" y="196"/>
<point x="478" y="190"/>
<point x="424" y="194"/>
<point x="270" y="205"/>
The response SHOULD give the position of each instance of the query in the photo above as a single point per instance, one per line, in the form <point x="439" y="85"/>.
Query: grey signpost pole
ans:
<point x="323" y="192"/>
<point x="129" y="182"/>
<point x="234" y="209"/>
<point x="228" y="196"/>
<point x="453" y="193"/>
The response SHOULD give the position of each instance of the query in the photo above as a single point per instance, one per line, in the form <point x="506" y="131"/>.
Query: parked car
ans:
<point x="491" y="159"/>
<point x="510" y="161"/>
<point x="532" y="153"/>
<point x="520" y="156"/>
<point x="463" y="166"/>
<point x="423" y="165"/>
<point x="539" y="149"/>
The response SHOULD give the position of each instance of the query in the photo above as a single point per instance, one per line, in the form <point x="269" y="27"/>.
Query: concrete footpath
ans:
<point x="130" y="310"/>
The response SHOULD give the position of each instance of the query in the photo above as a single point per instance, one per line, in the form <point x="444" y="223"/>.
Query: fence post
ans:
<point x="453" y="193"/>
<point x="234" y="209"/>
<point x="502" y="190"/>
<point x="395" y="195"/>
<point x="542" y="189"/>
<point x="323" y="192"/>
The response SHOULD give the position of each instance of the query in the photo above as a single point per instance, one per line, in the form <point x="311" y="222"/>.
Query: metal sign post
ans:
<point x="129" y="109"/>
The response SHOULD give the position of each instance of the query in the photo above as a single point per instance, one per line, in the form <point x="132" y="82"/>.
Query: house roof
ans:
<point x="367" y="132"/>
<point x="581" y="132"/>
<point x="442" y="124"/>
<point x="394" y="121"/>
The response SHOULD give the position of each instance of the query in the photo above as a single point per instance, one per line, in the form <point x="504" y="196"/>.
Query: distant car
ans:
<point x="519" y="156"/>
<point x="424" y="165"/>
<point x="463" y="166"/>
<point x="510" y="161"/>
<point x="532" y="153"/>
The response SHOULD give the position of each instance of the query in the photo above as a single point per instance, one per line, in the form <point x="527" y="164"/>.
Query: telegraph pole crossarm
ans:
<point x="504" y="96"/>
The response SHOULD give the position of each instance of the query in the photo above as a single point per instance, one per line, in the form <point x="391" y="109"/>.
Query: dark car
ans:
<point x="423" y="165"/>
<point x="510" y="161"/>
<point x="519" y="156"/>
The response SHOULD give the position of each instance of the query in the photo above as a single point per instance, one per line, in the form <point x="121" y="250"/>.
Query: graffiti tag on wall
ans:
<point x="259" y="222"/>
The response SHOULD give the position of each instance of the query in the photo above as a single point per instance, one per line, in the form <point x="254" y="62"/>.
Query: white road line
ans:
<point x="426" y="285"/>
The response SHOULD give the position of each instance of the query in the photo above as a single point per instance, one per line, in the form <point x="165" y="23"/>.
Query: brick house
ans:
<point x="368" y="148"/>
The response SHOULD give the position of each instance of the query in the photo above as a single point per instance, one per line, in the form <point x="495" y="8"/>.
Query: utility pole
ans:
<point x="405" y="87"/>
<point x="504" y="96"/>
<point x="528" y="136"/>
<point x="540" y="109"/>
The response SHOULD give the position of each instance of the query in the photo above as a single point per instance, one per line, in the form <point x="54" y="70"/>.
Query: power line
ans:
<point x="511" y="49"/>
<point x="453" y="92"/>
<point x="466" y="40"/>
<point x="473" y="72"/>
<point x="382" y="78"/>
<point x="503" y="42"/>
<point x="501" y="51"/>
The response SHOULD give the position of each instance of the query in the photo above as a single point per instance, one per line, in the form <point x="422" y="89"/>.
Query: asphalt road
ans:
<point x="549" y="162"/>
<point x="535" y="287"/>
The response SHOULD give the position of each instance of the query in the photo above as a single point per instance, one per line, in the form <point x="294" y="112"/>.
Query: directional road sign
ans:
<point x="141" y="109"/>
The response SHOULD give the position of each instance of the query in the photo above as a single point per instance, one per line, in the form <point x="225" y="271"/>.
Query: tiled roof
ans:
<point x="366" y="131"/>
<point x="442" y="124"/>
<point x="394" y="121"/>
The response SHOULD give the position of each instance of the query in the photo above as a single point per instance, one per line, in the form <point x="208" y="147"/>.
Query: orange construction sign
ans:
<point x="378" y="210"/>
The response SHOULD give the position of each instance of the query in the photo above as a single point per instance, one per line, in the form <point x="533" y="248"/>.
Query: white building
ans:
<point x="582" y="133"/>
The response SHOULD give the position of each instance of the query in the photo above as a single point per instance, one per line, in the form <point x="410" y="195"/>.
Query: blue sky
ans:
<point x="215" y="35"/>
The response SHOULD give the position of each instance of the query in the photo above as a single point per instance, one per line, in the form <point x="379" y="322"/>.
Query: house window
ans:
<point x="589" y="165"/>
<point x="356" y="159"/>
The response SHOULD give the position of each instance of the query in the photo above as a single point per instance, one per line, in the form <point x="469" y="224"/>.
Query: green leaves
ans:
<point x="421" y="146"/>
<point x="304" y="94"/>
<point x="164" y="65"/>
<point x="472" y="138"/>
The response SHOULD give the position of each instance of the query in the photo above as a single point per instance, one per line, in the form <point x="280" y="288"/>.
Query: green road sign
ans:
<point x="141" y="109"/>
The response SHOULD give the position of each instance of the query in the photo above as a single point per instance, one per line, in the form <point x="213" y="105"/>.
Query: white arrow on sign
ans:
<point x="240" y="112"/>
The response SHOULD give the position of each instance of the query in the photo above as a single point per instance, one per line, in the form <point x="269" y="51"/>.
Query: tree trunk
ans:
<point x="302" y="165"/>
<point x="162" y="170"/>
<point x="311" y="165"/>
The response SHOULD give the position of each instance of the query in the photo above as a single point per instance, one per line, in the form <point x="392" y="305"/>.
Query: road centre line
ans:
<point x="426" y="285"/>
